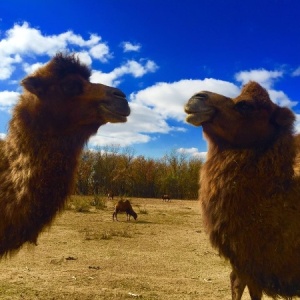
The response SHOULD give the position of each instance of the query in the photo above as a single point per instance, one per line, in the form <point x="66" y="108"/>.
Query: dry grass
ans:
<point x="165" y="254"/>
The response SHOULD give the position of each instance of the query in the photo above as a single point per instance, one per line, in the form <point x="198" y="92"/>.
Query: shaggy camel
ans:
<point x="124" y="206"/>
<point x="250" y="189"/>
<point x="55" y="116"/>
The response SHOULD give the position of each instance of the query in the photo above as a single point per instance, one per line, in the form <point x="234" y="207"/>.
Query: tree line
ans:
<point x="118" y="170"/>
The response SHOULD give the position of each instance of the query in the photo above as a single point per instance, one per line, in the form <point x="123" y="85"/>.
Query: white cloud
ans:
<point x="168" y="99"/>
<point x="8" y="99"/>
<point x="110" y="78"/>
<point x="264" y="77"/>
<point x="296" y="72"/>
<point x="131" y="67"/>
<point x="152" y="107"/>
<point x="137" y="69"/>
<point x="193" y="152"/>
<point x="297" y="123"/>
<point x="84" y="57"/>
<point x="123" y="139"/>
<point x="7" y="64"/>
<point x="281" y="98"/>
<point x="31" y="68"/>
<point x="141" y="124"/>
<point x="23" y="41"/>
<point x="267" y="80"/>
<point x="2" y="136"/>
<point x="127" y="47"/>
<point x="101" y="52"/>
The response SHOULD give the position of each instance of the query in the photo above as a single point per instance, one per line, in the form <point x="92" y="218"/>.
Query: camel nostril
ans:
<point x="118" y="93"/>
<point x="201" y="95"/>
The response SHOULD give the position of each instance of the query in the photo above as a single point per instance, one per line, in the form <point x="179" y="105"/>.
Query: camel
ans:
<point x="124" y="206"/>
<point x="250" y="189"/>
<point x="166" y="197"/>
<point x="53" y="119"/>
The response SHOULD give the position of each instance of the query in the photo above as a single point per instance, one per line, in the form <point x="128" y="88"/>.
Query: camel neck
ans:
<point x="257" y="165"/>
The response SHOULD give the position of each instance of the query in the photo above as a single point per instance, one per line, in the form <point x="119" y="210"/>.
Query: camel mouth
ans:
<point x="116" y="113"/>
<point x="198" y="112"/>
<point x="197" y="119"/>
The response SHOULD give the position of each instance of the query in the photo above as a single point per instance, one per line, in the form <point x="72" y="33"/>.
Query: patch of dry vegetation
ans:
<point x="165" y="254"/>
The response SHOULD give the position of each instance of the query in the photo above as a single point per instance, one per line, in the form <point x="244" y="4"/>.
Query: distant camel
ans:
<point x="124" y="206"/>
<point x="52" y="121"/>
<point x="166" y="197"/>
<point x="110" y="196"/>
<point x="250" y="189"/>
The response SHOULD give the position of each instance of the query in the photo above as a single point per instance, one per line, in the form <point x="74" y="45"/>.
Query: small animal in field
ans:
<point x="250" y="189"/>
<point x="166" y="197"/>
<point x="58" y="111"/>
<point x="110" y="196"/>
<point x="124" y="207"/>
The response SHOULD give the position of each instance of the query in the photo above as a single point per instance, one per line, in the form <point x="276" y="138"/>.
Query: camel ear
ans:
<point x="283" y="117"/>
<point x="35" y="85"/>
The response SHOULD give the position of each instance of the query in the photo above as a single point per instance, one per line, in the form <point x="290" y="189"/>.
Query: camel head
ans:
<point x="70" y="101"/>
<point x="249" y="120"/>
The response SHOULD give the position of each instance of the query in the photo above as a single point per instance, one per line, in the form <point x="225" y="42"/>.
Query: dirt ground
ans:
<point x="165" y="254"/>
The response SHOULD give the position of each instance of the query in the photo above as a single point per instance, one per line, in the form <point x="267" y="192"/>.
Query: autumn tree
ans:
<point x="119" y="170"/>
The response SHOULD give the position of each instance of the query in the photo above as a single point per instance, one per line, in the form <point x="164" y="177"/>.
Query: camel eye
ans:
<point x="244" y="107"/>
<point x="72" y="87"/>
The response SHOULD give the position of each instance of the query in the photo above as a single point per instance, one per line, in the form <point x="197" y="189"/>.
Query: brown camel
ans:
<point x="166" y="197"/>
<point x="55" y="116"/>
<point x="124" y="206"/>
<point x="250" y="189"/>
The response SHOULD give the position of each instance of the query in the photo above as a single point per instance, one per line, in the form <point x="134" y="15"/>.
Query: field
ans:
<point x="165" y="254"/>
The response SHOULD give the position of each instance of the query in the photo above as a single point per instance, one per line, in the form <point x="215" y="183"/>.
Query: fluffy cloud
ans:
<point x="131" y="67"/>
<point x="31" y="68"/>
<point x="267" y="80"/>
<point x="141" y="124"/>
<point x="8" y="99"/>
<point x="123" y="138"/>
<point x="264" y="77"/>
<point x="22" y="41"/>
<point x="127" y="47"/>
<point x="193" y="152"/>
<point x="168" y="99"/>
<point x="152" y="108"/>
<point x="101" y="52"/>
<point x="280" y="98"/>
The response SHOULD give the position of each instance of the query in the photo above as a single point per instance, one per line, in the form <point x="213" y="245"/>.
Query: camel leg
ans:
<point x="237" y="286"/>
<point x="255" y="293"/>
<point x="115" y="216"/>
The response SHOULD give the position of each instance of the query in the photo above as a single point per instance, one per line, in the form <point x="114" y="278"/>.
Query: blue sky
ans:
<point x="159" y="52"/>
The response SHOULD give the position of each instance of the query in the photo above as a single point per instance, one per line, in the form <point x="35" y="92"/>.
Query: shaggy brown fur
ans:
<point x="250" y="189"/>
<point x="124" y="206"/>
<point x="53" y="119"/>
